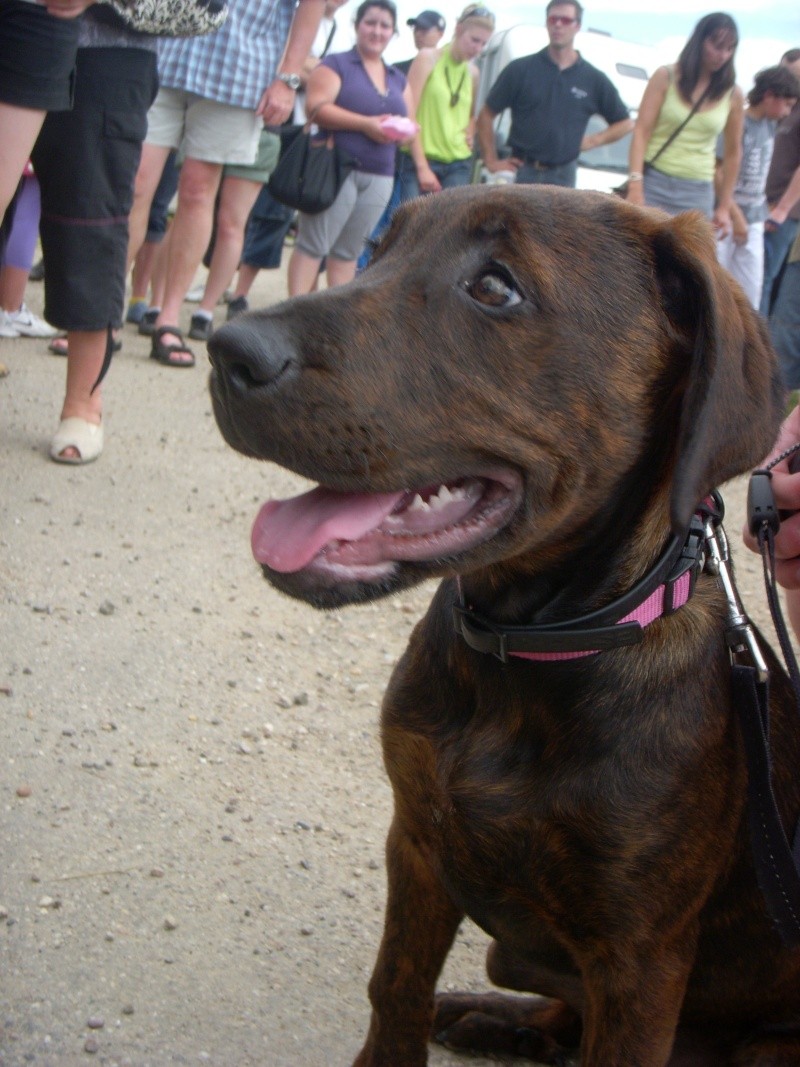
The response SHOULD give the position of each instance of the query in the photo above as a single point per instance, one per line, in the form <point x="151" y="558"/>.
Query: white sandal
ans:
<point x="85" y="437"/>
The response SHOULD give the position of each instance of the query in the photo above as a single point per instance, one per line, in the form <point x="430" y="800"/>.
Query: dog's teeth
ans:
<point x="418" y="504"/>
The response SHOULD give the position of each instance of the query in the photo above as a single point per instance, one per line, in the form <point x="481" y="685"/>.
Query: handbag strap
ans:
<point x="678" y="129"/>
<point x="324" y="51"/>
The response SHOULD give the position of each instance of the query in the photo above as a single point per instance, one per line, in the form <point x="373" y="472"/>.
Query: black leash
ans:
<point x="777" y="861"/>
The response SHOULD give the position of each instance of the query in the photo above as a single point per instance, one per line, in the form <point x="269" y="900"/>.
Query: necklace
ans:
<point x="455" y="96"/>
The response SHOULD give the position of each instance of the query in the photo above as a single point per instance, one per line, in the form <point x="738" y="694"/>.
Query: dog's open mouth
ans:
<point x="362" y="534"/>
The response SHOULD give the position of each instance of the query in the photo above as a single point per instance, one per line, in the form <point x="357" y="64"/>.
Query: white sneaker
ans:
<point x="195" y="294"/>
<point x="6" y="326"/>
<point x="29" y="325"/>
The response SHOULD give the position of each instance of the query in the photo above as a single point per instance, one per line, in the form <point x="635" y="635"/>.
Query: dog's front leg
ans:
<point x="421" y="922"/>
<point x="633" y="1001"/>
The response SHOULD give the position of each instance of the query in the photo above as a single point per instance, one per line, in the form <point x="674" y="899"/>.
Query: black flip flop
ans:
<point x="164" y="353"/>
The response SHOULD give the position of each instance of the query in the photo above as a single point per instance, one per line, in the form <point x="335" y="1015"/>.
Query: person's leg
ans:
<point x="37" y="60"/>
<point x="151" y="166"/>
<point x="87" y="180"/>
<point x="19" y="127"/>
<point x="190" y="233"/>
<point x="148" y="254"/>
<point x="303" y="272"/>
<point x="237" y="199"/>
<point x="16" y="320"/>
<point x="784" y="325"/>
<point x="777" y="243"/>
<point x="340" y="271"/>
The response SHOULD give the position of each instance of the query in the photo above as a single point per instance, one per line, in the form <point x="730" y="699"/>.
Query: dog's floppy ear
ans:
<point x="732" y="396"/>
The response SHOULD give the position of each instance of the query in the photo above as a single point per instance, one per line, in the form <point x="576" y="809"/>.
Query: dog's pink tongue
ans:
<point x="287" y="534"/>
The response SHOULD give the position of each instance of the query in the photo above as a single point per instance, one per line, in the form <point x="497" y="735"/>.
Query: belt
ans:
<point x="537" y="164"/>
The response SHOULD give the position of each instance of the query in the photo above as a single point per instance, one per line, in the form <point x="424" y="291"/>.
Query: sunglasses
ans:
<point x="476" y="13"/>
<point x="559" y="20"/>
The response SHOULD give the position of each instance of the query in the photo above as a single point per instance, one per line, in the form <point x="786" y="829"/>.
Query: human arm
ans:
<point x="607" y="135"/>
<point x="780" y="210"/>
<point x="277" y="101"/>
<point x="485" y="130"/>
<point x="418" y="74"/>
<point x="649" y="109"/>
<point x="323" y="88"/>
<point x="731" y="161"/>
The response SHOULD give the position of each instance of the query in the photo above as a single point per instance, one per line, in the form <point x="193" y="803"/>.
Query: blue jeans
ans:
<point x="776" y="246"/>
<point x="784" y="325"/>
<point x="450" y="175"/>
<point x="565" y="175"/>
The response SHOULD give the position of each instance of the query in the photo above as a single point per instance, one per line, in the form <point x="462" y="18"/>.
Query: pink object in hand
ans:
<point x="398" y="127"/>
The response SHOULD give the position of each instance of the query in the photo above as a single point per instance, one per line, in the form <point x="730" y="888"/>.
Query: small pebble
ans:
<point x="95" y="1022"/>
<point x="107" y="608"/>
<point x="91" y="1045"/>
<point x="170" y="923"/>
<point x="24" y="791"/>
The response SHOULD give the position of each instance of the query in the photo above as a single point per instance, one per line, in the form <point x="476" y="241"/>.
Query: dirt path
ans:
<point x="192" y="800"/>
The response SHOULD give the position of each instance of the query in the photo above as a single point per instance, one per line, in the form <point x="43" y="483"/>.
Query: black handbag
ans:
<point x="310" y="171"/>
<point x="171" y="18"/>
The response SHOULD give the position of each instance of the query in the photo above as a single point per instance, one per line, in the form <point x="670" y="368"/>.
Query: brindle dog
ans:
<point x="527" y="393"/>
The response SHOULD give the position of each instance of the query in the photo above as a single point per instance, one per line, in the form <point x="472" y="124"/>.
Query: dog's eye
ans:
<point x="495" y="288"/>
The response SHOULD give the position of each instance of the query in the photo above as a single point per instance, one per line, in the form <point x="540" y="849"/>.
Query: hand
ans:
<point x="786" y="489"/>
<point x="66" y="9"/>
<point x="775" y="220"/>
<point x="635" y="193"/>
<point x="276" y="104"/>
<point x="512" y="163"/>
<point x="428" y="182"/>
<point x="739" y="235"/>
<point x="371" y="127"/>
<point x="721" y="220"/>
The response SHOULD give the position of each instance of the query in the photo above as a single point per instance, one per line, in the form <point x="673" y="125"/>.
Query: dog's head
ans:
<point x="519" y="370"/>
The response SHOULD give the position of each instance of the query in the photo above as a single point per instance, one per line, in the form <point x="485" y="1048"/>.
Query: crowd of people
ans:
<point x="101" y="125"/>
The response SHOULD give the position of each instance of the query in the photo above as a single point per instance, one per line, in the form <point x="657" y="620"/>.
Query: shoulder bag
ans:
<point x="310" y="171"/>
<point x="622" y="190"/>
<point x="170" y="18"/>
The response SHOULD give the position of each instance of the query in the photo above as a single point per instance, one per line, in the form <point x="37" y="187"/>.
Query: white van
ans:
<point x="628" y="65"/>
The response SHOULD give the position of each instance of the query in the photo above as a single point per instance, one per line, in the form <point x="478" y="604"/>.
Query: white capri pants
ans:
<point x="745" y="261"/>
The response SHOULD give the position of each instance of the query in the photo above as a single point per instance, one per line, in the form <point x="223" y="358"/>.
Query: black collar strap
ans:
<point x="661" y="592"/>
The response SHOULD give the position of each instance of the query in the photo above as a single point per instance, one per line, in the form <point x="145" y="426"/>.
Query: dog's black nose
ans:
<point x="251" y="351"/>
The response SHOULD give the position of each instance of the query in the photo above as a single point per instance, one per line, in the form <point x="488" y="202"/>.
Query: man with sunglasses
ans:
<point x="551" y="95"/>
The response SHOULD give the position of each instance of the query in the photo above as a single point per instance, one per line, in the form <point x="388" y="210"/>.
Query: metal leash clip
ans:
<point x="739" y="634"/>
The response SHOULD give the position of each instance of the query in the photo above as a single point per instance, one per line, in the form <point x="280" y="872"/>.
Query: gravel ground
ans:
<point x="192" y="799"/>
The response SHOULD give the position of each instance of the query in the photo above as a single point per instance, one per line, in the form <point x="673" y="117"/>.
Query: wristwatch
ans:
<point x="292" y="80"/>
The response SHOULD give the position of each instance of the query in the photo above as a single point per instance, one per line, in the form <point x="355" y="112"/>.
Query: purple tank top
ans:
<point x="359" y="94"/>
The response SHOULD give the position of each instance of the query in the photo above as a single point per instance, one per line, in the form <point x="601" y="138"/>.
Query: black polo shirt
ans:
<point x="550" y="108"/>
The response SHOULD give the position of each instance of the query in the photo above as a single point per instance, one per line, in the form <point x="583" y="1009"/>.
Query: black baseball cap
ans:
<point x="427" y="20"/>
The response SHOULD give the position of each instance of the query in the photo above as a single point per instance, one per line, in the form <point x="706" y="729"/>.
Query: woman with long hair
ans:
<point x="672" y="164"/>
<point x="350" y="94"/>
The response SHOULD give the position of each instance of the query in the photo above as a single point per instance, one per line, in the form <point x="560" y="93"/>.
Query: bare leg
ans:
<point x="85" y="354"/>
<point x="19" y="128"/>
<point x="148" y="176"/>
<point x="12" y="287"/>
<point x="143" y="266"/>
<point x="244" y="281"/>
<point x="340" y="271"/>
<point x="303" y="273"/>
<point x="236" y="202"/>
<point x="191" y="231"/>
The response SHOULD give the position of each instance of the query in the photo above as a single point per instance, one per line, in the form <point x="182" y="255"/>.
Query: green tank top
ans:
<point x="693" y="152"/>
<point x="445" y="110"/>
